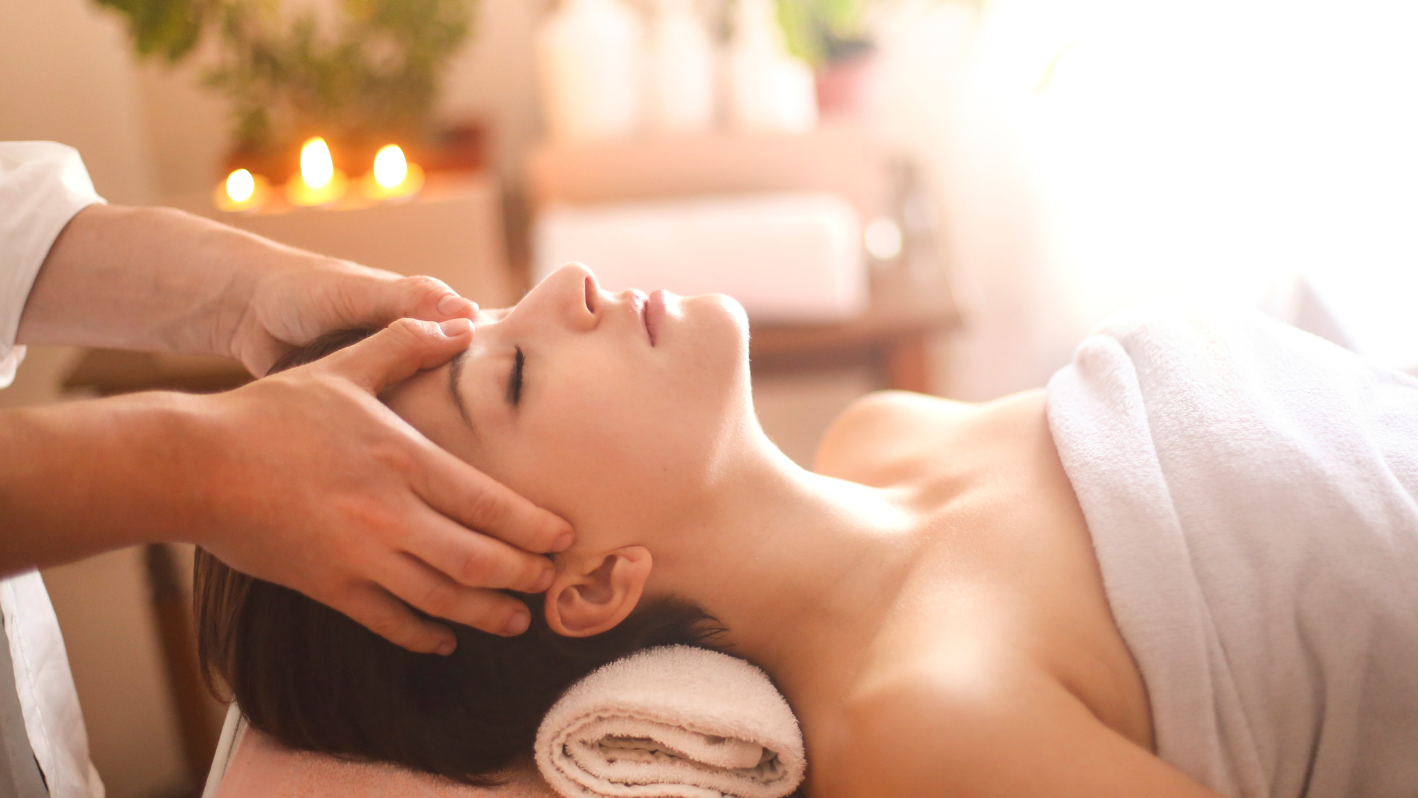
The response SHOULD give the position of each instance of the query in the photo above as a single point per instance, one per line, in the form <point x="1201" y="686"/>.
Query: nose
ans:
<point x="571" y="293"/>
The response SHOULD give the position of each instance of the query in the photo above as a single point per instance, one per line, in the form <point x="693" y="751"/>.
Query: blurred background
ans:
<point x="937" y="195"/>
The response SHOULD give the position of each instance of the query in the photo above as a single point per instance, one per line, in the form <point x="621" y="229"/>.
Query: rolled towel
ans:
<point x="673" y="721"/>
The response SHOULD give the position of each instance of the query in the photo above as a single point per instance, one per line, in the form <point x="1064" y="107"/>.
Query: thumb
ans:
<point x="399" y="351"/>
<point x="412" y="297"/>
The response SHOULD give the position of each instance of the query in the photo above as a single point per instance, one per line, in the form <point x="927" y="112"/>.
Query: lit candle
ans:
<point x="392" y="177"/>
<point x="241" y="191"/>
<point x="319" y="182"/>
<point x="390" y="166"/>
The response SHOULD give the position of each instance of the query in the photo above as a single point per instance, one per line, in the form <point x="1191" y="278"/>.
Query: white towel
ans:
<point x="673" y="721"/>
<point x="1252" y="492"/>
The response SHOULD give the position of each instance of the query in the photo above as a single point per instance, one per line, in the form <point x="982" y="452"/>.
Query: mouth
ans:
<point x="655" y="310"/>
<point x="640" y="306"/>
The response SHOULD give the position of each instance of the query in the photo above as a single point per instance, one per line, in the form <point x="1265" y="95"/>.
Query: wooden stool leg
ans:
<point x="906" y="362"/>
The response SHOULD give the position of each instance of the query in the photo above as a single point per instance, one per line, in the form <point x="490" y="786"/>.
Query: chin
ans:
<point x="721" y="307"/>
<point x="727" y="321"/>
<point x="715" y="344"/>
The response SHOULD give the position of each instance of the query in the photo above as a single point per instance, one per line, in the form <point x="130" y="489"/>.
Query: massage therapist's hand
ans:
<point x="157" y="279"/>
<point x="304" y="478"/>
<point x="291" y="306"/>
<point x="315" y="484"/>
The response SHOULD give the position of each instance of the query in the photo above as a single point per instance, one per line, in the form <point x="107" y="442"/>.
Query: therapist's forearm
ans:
<point x="154" y="279"/>
<point x="81" y="478"/>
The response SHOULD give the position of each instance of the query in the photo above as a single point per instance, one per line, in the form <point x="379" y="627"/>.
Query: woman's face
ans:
<point x="611" y="410"/>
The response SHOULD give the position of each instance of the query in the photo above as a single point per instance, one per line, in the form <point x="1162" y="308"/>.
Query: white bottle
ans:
<point x="590" y="58"/>
<point x="681" y="70"/>
<point x="770" y="91"/>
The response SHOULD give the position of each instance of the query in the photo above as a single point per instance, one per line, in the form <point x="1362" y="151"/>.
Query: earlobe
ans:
<point x="594" y="598"/>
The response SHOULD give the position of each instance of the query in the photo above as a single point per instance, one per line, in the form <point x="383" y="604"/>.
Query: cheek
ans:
<point x="616" y="439"/>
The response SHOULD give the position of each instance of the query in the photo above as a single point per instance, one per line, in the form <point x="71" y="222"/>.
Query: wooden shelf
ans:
<point x="110" y="372"/>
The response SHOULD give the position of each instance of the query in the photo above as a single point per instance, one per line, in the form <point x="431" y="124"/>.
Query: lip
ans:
<point x="655" y="312"/>
<point x="638" y="305"/>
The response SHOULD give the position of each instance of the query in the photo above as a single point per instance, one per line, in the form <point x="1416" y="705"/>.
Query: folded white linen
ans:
<point x="1252" y="494"/>
<point x="673" y="721"/>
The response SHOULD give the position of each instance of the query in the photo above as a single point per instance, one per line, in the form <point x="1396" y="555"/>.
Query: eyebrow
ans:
<point x="455" y="370"/>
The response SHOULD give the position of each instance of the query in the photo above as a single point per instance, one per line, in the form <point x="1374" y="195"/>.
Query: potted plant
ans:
<point x="832" y="36"/>
<point x="361" y="74"/>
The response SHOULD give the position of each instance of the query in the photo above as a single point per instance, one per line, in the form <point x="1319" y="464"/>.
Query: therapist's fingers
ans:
<point x="412" y="297"/>
<point x="435" y="594"/>
<point x="476" y="560"/>
<point x="480" y="502"/>
<point x="399" y="351"/>
<point x="379" y="611"/>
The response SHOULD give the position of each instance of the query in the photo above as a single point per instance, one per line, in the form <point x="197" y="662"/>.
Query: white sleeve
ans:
<point x="42" y="186"/>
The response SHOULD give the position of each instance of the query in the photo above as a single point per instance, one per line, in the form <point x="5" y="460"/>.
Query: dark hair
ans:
<point x="314" y="680"/>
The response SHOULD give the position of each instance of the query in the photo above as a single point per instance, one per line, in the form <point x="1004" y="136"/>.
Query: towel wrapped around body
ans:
<point x="673" y="721"/>
<point x="1252" y="493"/>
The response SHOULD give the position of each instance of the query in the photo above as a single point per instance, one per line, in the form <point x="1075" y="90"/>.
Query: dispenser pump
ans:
<point x="771" y="91"/>
<point x="590" y="56"/>
<point x="681" y="69"/>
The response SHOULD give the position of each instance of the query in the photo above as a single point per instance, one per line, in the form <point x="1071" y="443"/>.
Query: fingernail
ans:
<point x="563" y="541"/>
<point x="455" y="327"/>
<point x="518" y="624"/>
<point x="446" y="647"/>
<point x="454" y="305"/>
<point x="543" y="582"/>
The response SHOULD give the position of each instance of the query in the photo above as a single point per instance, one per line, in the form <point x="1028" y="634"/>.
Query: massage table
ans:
<point x="249" y="764"/>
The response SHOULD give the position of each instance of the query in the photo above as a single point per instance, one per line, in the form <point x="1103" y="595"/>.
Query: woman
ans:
<point x="929" y="600"/>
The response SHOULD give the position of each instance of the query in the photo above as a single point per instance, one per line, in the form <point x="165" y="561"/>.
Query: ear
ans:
<point x="592" y="596"/>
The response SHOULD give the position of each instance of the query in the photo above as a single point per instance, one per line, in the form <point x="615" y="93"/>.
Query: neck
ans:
<point x="799" y="567"/>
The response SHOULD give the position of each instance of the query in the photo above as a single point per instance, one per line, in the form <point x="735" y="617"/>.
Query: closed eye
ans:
<point x="514" y="380"/>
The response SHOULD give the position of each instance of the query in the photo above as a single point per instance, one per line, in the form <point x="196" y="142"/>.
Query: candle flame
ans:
<point x="316" y="166"/>
<point x="390" y="166"/>
<point x="240" y="185"/>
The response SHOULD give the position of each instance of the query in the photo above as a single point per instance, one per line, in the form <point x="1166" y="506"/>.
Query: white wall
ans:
<point x="1091" y="154"/>
<point x="66" y="78"/>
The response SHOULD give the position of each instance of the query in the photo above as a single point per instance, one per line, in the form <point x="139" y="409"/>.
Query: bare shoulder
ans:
<point x="908" y="728"/>
<point x="957" y="730"/>
<point x="878" y="438"/>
